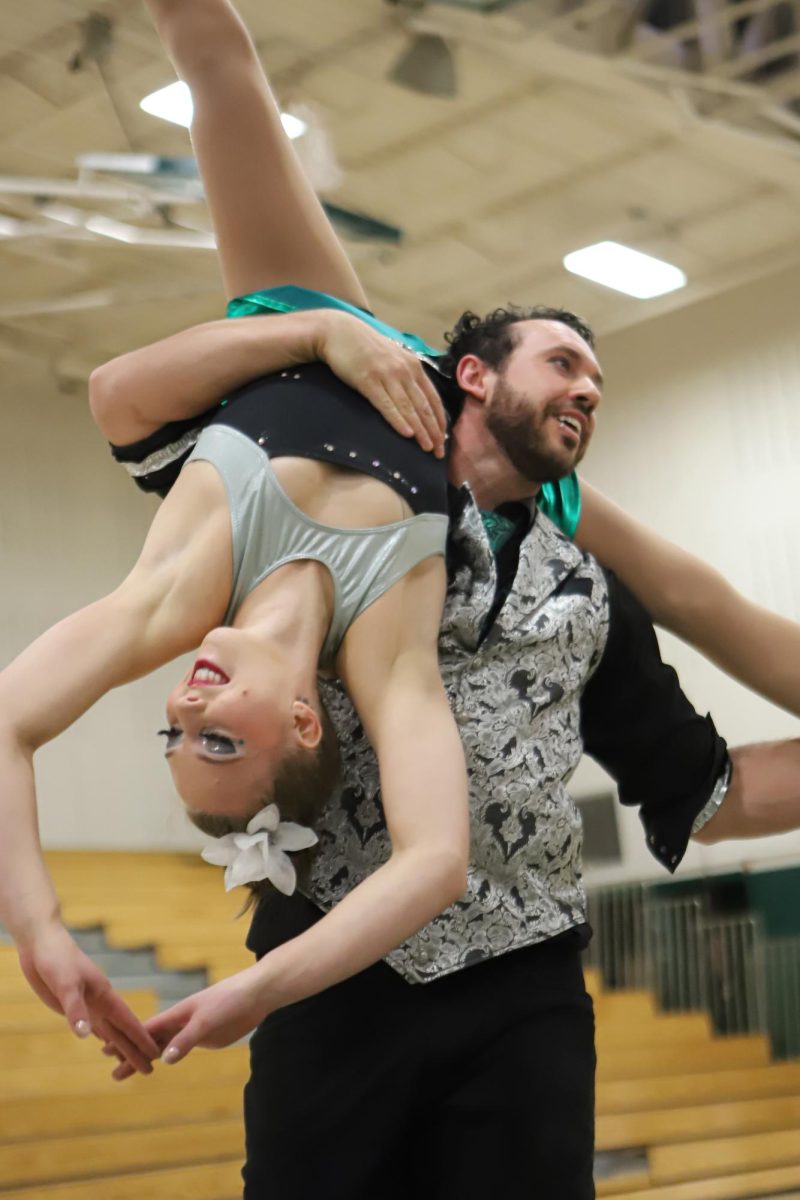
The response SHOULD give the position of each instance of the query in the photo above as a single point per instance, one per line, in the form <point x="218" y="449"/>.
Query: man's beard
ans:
<point x="522" y="435"/>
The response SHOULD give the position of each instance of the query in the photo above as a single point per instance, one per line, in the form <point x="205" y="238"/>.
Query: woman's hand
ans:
<point x="214" y="1018"/>
<point x="66" y="980"/>
<point x="391" y="377"/>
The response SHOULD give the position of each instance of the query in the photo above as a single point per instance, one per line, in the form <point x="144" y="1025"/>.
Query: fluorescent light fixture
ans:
<point x="294" y="127"/>
<point x="625" y="270"/>
<point x="126" y="164"/>
<point x="174" y="103"/>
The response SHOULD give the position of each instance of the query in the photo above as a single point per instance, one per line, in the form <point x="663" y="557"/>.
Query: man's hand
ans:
<point x="391" y="377"/>
<point x="66" y="980"/>
<point x="214" y="1018"/>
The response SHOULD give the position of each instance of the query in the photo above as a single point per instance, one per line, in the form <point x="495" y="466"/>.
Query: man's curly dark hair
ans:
<point x="493" y="337"/>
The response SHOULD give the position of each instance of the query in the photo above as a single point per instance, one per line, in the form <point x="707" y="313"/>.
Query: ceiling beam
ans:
<point x="715" y="36"/>
<point x="116" y="297"/>
<point x="87" y="189"/>
<point x="742" y="64"/>
<point x="725" y="14"/>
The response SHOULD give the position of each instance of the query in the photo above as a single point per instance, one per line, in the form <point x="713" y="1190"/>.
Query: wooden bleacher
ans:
<point x="208" y="1181"/>
<point x="717" y="1119"/>
<point x="67" y="1130"/>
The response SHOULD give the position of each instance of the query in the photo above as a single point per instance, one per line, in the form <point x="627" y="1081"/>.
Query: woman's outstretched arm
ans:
<point x="166" y="604"/>
<point x="271" y="228"/>
<point x="692" y="600"/>
<point x="41" y="693"/>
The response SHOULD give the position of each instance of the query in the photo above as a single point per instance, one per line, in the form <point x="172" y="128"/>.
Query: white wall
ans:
<point x="70" y="528"/>
<point x="699" y="436"/>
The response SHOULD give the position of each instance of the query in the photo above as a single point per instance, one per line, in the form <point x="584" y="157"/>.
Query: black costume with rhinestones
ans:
<point x="306" y="412"/>
<point x="309" y="413"/>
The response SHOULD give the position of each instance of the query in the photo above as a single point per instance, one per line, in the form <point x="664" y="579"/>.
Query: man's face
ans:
<point x="540" y="404"/>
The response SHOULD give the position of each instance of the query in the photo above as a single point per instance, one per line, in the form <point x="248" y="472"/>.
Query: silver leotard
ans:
<point x="268" y="530"/>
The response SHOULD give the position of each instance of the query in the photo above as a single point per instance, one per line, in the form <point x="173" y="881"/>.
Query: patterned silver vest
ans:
<point x="515" y="695"/>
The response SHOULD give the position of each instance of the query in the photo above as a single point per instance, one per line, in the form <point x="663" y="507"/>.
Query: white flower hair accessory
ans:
<point x="261" y="851"/>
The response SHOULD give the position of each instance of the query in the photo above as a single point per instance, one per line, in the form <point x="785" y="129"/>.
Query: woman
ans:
<point x="275" y="564"/>
<point x="316" y="261"/>
<point x="361" y="590"/>
<point x="270" y="228"/>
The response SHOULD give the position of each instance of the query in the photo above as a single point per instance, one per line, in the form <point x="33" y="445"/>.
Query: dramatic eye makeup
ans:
<point x="212" y="744"/>
<point x="171" y="736"/>
<point x="217" y="745"/>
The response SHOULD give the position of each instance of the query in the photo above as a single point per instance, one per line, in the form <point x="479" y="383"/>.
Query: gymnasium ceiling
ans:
<point x="670" y="125"/>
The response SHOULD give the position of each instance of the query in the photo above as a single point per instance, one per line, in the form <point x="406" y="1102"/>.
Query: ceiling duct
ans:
<point x="178" y="177"/>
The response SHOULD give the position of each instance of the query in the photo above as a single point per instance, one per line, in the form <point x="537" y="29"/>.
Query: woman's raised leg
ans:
<point x="271" y="228"/>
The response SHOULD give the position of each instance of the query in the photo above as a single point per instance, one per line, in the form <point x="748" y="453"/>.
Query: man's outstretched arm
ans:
<point x="667" y="759"/>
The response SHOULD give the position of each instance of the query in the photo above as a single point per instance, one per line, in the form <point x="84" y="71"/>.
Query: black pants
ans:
<point x="478" y="1085"/>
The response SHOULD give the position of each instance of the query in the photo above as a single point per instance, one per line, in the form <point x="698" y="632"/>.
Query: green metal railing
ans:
<point x="693" y="959"/>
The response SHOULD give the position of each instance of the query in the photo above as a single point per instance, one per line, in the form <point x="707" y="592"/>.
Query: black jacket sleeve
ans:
<point x="638" y="724"/>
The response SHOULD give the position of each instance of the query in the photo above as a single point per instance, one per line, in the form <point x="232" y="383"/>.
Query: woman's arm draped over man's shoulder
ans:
<point x="183" y="376"/>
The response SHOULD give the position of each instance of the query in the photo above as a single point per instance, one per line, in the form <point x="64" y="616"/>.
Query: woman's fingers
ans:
<point x="390" y="377"/>
<point x="431" y="398"/>
<point x="407" y="403"/>
<point x="394" y="406"/>
<point x="127" y="1026"/>
<point x="411" y="409"/>
<point x="184" y="1041"/>
<point x="123" y="1069"/>
<point x="416" y="395"/>
<point x="428" y="405"/>
<point x="163" y="1027"/>
<point x="125" y="1048"/>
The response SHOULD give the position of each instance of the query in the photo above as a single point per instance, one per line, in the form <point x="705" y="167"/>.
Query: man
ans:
<point x="419" y="1076"/>
<point x="539" y="649"/>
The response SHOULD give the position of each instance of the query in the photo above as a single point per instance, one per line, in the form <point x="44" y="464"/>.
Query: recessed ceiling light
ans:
<point x="625" y="270"/>
<point x="174" y="103"/>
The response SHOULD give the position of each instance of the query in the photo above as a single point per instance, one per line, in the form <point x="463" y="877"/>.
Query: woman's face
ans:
<point x="230" y="725"/>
